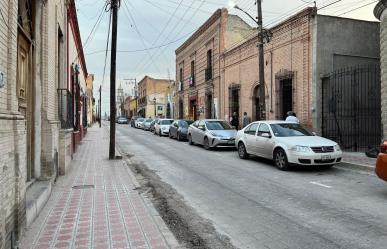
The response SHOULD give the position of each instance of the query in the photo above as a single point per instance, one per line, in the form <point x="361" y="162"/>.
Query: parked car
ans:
<point x="286" y="143"/>
<point x="147" y="124"/>
<point x="162" y="126"/>
<point x="138" y="122"/>
<point x="211" y="133"/>
<point x="133" y="121"/>
<point x="381" y="162"/>
<point x="152" y="125"/>
<point x="122" y="120"/>
<point x="179" y="129"/>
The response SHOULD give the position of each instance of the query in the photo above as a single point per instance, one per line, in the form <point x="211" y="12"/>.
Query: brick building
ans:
<point x="32" y="76"/>
<point x="380" y="13"/>
<point x="152" y="97"/>
<point x="307" y="54"/>
<point x="198" y="66"/>
<point x="90" y="106"/>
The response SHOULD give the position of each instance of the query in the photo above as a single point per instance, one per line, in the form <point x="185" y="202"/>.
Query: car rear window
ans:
<point x="166" y="122"/>
<point x="218" y="125"/>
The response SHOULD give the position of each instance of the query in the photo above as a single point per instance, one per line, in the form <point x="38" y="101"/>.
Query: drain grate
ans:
<point x="82" y="186"/>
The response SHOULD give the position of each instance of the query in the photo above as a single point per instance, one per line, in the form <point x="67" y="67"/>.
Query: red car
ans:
<point x="381" y="162"/>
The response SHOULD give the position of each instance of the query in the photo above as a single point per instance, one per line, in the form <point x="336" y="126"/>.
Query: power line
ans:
<point x="95" y="26"/>
<point x="349" y="11"/>
<point x="107" y="49"/>
<point x="149" y="48"/>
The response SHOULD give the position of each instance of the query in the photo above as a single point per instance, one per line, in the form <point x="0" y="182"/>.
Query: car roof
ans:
<point x="205" y="120"/>
<point x="274" y="122"/>
<point x="166" y="119"/>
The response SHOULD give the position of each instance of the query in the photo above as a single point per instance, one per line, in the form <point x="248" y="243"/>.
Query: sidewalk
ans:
<point x="96" y="206"/>
<point x="358" y="160"/>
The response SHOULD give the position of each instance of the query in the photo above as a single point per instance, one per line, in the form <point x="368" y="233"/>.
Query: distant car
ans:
<point x="179" y="129"/>
<point x="152" y="125"/>
<point x="381" y="162"/>
<point x="122" y="120"/>
<point x="133" y="121"/>
<point x="138" y="122"/>
<point x="162" y="126"/>
<point x="146" y="124"/>
<point x="286" y="143"/>
<point x="211" y="133"/>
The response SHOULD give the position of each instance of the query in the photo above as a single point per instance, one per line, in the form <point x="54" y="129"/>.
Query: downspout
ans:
<point x="271" y="81"/>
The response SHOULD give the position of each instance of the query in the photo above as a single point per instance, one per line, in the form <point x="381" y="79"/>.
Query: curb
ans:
<point x="357" y="167"/>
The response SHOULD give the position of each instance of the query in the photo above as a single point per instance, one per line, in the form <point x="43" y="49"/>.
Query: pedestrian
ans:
<point x="292" y="117"/>
<point x="246" y="120"/>
<point x="235" y="120"/>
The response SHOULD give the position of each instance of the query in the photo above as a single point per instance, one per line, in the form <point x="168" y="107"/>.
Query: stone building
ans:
<point x="198" y="65"/>
<point x="302" y="61"/>
<point x="32" y="76"/>
<point x="90" y="106"/>
<point x="380" y="13"/>
<point x="152" y="97"/>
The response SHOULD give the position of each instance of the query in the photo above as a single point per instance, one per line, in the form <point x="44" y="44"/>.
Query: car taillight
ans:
<point x="383" y="147"/>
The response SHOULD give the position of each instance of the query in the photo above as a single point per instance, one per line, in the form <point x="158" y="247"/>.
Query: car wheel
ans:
<point x="170" y="135"/>
<point x="206" y="144"/>
<point x="178" y="137"/>
<point x="242" y="151"/>
<point x="281" y="160"/>
<point x="190" y="140"/>
<point x="160" y="133"/>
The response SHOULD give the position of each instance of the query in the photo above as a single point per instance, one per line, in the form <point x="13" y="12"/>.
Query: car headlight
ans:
<point x="299" y="148"/>
<point x="337" y="147"/>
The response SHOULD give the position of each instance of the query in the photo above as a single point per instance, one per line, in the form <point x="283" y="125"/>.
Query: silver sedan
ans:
<point x="211" y="133"/>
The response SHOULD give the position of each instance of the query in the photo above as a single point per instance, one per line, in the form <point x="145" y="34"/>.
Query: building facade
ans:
<point x="152" y="97"/>
<point x="198" y="77"/>
<point x="380" y="13"/>
<point x="35" y="106"/>
<point x="90" y="106"/>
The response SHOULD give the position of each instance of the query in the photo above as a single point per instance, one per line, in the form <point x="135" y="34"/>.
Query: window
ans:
<point x="166" y="122"/>
<point x="181" y="75"/>
<point x="192" y="78"/>
<point x="201" y="123"/>
<point x="263" y="128"/>
<point x="208" y="71"/>
<point x="252" y="129"/>
<point x="195" y="123"/>
<point x="159" y="108"/>
<point x="218" y="125"/>
<point x="289" y="130"/>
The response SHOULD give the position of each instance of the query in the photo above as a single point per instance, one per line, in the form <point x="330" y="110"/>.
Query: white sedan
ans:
<point x="162" y="126"/>
<point x="286" y="143"/>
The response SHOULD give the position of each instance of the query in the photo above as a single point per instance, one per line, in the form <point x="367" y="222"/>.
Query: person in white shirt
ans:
<point x="292" y="117"/>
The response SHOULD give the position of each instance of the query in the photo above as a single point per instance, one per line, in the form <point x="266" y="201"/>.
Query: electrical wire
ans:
<point x="357" y="8"/>
<point x="107" y="49"/>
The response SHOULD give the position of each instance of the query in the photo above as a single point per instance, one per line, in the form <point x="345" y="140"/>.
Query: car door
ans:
<point x="264" y="144"/>
<point x="250" y="138"/>
<point x="200" y="134"/>
<point x="173" y="128"/>
<point x="193" y="130"/>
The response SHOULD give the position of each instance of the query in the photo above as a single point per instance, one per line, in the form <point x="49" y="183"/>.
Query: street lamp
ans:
<point x="263" y="34"/>
<point x="154" y="100"/>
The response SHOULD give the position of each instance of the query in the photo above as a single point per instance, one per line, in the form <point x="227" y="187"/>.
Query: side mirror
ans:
<point x="314" y="133"/>
<point x="266" y="135"/>
<point x="201" y="127"/>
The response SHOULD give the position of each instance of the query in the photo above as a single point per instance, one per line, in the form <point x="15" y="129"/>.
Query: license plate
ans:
<point x="231" y="142"/>
<point x="325" y="157"/>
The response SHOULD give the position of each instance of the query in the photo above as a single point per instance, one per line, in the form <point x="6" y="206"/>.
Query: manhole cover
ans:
<point x="82" y="186"/>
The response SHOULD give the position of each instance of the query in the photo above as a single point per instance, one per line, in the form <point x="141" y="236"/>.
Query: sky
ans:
<point x="149" y="31"/>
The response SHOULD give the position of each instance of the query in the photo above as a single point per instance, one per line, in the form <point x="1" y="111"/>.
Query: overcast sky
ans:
<point x="149" y="31"/>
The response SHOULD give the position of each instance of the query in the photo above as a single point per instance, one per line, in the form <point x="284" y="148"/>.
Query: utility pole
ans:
<point x="99" y="107"/>
<point x="261" y="68"/>
<point x="112" y="145"/>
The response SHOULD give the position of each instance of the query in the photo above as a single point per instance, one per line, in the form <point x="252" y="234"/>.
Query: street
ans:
<point x="258" y="206"/>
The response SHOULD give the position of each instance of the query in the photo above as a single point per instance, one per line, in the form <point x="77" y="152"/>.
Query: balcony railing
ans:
<point x="208" y="73"/>
<point x="65" y="108"/>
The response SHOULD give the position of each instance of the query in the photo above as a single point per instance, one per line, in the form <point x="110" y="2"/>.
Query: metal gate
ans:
<point x="351" y="105"/>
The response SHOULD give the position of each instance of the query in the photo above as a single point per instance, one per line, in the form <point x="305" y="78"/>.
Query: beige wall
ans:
<point x="289" y="52"/>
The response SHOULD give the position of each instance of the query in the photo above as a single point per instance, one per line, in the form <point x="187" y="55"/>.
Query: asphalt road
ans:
<point x="258" y="206"/>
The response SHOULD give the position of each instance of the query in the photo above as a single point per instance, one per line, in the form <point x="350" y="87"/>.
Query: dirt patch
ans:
<point x="191" y="230"/>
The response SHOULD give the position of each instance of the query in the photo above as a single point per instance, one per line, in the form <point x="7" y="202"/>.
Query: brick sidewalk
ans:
<point x="109" y="214"/>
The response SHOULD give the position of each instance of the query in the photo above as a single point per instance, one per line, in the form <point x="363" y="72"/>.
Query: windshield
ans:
<point x="185" y="123"/>
<point x="166" y="122"/>
<point x="218" y="125"/>
<point x="289" y="130"/>
<point x="149" y="120"/>
<point x="140" y="119"/>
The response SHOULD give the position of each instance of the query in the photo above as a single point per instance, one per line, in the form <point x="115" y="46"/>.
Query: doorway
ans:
<point x="234" y="96"/>
<point x="209" y="104"/>
<point x="286" y="97"/>
<point x="181" y="109"/>
<point x="193" y="109"/>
